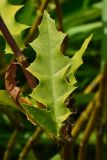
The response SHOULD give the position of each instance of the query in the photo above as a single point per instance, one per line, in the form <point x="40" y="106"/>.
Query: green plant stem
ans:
<point x="10" y="145"/>
<point x="59" y="14"/>
<point x="95" y="114"/>
<point x="29" y="143"/>
<point x="104" y="61"/>
<point x="83" y="117"/>
<point x="89" y="129"/>
<point x="103" y="101"/>
<point x="37" y="21"/>
<point x="87" y="112"/>
<point x="102" y="152"/>
<point x="93" y="84"/>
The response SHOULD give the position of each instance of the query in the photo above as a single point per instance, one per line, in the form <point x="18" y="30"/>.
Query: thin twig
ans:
<point x="103" y="101"/>
<point x="99" y="143"/>
<point x="60" y="27"/>
<point x="93" y="84"/>
<point x="95" y="114"/>
<point x="83" y="117"/>
<point x="12" y="42"/>
<point x="37" y="21"/>
<point x="10" y="145"/>
<point x="59" y="14"/>
<point x="99" y="137"/>
<point x="89" y="129"/>
<point x="19" y="55"/>
<point x="29" y="143"/>
<point x="67" y="152"/>
<point x="87" y="112"/>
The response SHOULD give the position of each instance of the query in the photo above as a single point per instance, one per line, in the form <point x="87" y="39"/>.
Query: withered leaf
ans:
<point x="10" y="82"/>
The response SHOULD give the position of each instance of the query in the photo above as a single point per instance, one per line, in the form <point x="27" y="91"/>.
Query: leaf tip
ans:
<point x="89" y="38"/>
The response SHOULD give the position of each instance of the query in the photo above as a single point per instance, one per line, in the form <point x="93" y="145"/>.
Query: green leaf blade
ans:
<point x="52" y="69"/>
<point x="39" y="115"/>
<point x="8" y="11"/>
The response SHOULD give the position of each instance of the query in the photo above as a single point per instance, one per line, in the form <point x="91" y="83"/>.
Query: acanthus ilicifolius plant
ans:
<point x="55" y="73"/>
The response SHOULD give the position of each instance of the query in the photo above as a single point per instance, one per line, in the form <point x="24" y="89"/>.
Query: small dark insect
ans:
<point x="69" y="101"/>
<point x="65" y="133"/>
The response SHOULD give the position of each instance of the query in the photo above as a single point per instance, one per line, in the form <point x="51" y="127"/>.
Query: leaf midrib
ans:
<point x="51" y="71"/>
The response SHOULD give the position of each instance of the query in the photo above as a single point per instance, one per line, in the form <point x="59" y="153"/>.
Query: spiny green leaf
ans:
<point x="76" y="60"/>
<point x="41" y="117"/>
<point x="8" y="11"/>
<point x="55" y="73"/>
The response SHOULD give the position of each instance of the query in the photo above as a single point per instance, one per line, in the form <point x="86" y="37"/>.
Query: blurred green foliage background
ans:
<point x="80" y="19"/>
